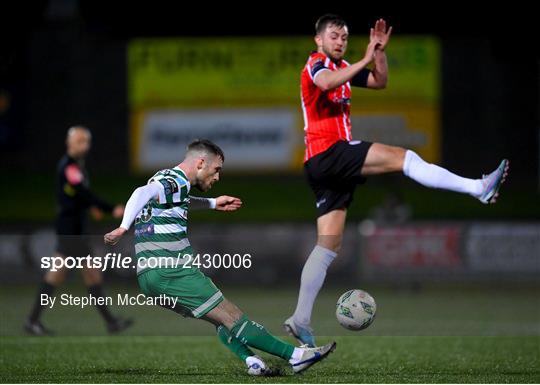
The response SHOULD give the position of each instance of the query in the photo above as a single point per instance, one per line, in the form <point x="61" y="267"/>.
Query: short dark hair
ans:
<point x="206" y="145"/>
<point x="328" y="19"/>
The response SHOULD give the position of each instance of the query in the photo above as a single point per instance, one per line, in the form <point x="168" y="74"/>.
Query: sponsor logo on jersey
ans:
<point x="146" y="213"/>
<point x="183" y="215"/>
<point x="145" y="229"/>
<point x="170" y="186"/>
<point x="320" y="203"/>
<point x="342" y="100"/>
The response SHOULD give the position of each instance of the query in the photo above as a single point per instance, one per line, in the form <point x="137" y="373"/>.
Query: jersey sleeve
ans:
<point x="75" y="178"/>
<point x="201" y="203"/>
<point x="173" y="189"/>
<point x="316" y="64"/>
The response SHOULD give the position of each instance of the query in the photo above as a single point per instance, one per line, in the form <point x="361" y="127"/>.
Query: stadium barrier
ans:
<point x="400" y="253"/>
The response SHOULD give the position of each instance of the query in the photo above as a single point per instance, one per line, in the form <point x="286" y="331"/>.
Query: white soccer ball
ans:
<point x="355" y="310"/>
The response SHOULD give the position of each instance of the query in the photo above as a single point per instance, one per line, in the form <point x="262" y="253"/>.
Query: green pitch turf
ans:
<point x="202" y="359"/>
<point x="441" y="335"/>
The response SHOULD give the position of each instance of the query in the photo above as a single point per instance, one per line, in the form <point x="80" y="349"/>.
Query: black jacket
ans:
<point x="74" y="196"/>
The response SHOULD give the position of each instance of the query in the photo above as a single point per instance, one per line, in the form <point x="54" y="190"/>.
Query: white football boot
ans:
<point x="492" y="182"/>
<point x="311" y="356"/>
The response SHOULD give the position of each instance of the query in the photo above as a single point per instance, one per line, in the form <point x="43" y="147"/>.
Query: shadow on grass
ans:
<point x="147" y="371"/>
<point x="273" y="372"/>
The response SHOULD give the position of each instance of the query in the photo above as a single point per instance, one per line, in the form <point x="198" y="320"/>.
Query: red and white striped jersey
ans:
<point x="326" y="113"/>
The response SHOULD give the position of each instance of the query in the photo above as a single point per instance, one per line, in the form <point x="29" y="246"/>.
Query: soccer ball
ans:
<point x="355" y="310"/>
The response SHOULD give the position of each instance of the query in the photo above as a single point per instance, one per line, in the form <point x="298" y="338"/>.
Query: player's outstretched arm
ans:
<point x="227" y="203"/>
<point x="134" y="205"/>
<point x="328" y="80"/>
<point x="222" y="203"/>
<point x="201" y="203"/>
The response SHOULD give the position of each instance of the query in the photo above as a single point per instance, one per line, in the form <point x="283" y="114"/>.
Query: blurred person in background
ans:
<point x="74" y="199"/>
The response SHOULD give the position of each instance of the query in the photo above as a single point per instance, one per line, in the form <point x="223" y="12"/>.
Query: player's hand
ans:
<point x="370" y="50"/>
<point x="118" y="211"/>
<point x="381" y="34"/>
<point x="114" y="236"/>
<point x="227" y="203"/>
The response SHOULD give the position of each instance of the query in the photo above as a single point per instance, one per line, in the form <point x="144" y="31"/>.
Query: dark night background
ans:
<point x="64" y="62"/>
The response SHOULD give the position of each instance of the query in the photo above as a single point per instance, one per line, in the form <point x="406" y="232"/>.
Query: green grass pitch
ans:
<point x="128" y="359"/>
<point x="475" y="335"/>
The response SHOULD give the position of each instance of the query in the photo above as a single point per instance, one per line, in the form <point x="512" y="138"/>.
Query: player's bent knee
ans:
<point x="226" y="313"/>
<point x="234" y="311"/>
<point x="397" y="159"/>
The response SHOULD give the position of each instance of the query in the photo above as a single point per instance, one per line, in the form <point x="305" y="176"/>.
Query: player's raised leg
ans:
<point x="330" y="228"/>
<point x="382" y="159"/>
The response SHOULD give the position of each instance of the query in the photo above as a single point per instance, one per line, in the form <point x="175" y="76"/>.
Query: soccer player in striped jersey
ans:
<point x="335" y="164"/>
<point x="160" y="211"/>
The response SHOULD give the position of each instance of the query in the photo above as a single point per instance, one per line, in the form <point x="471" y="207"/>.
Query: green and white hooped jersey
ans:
<point x="161" y="226"/>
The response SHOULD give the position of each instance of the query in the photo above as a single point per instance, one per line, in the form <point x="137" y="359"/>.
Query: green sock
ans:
<point x="233" y="344"/>
<point x="255" y="335"/>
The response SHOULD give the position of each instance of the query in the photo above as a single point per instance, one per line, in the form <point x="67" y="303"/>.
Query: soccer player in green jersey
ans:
<point x="159" y="210"/>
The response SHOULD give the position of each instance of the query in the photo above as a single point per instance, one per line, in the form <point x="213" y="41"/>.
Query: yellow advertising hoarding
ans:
<point x="243" y="73"/>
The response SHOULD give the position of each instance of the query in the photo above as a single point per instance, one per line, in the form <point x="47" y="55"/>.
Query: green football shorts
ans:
<point x="196" y="293"/>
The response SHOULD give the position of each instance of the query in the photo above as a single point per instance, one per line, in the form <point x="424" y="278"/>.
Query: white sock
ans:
<point x="431" y="175"/>
<point x="296" y="355"/>
<point x="311" y="282"/>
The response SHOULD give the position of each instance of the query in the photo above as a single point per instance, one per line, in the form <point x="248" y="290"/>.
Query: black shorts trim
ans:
<point x="334" y="174"/>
